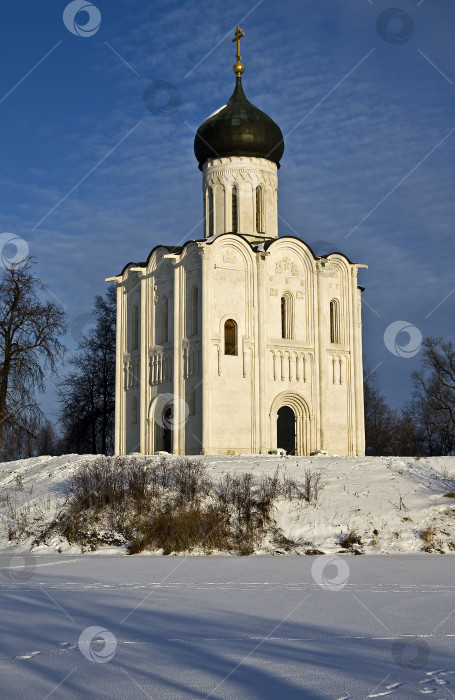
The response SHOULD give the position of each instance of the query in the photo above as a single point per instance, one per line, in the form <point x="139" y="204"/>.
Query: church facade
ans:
<point x="242" y="341"/>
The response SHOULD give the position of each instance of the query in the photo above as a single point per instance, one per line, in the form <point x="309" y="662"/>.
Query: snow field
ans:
<point x="230" y="628"/>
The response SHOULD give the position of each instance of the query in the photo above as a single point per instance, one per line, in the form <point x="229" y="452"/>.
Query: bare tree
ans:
<point x="87" y="394"/>
<point x="29" y="343"/>
<point x="380" y="420"/>
<point x="434" y="394"/>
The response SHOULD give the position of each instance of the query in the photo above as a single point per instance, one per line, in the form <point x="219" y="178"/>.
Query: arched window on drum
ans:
<point x="235" y="210"/>
<point x="210" y="212"/>
<point x="259" y="210"/>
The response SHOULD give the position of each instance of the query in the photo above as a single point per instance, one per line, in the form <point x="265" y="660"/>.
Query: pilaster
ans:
<point x="321" y="344"/>
<point x="205" y="341"/>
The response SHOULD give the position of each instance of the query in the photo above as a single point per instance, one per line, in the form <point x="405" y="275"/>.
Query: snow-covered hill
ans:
<point x="388" y="504"/>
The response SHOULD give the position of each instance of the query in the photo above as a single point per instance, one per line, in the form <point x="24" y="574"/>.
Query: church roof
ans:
<point x="208" y="241"/>
<point x="239" y="129"/>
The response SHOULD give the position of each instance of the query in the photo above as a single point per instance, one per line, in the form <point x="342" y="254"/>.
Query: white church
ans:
<point x="242" y="341"/>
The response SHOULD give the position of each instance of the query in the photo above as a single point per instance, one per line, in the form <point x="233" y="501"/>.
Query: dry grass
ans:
<point x="182" y="531"/>
<point x="429" y="537"/>
<point x="173" y="505"/>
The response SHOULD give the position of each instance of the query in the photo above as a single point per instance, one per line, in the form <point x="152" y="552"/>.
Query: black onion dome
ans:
<point x="239" y="129"/>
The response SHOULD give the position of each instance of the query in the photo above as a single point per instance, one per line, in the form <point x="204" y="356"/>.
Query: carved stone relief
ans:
<point x="229" y="256"/>
<point x="286" y="266"/>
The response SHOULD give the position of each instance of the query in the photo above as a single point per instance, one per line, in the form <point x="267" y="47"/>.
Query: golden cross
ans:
<point x="238" y="35"/>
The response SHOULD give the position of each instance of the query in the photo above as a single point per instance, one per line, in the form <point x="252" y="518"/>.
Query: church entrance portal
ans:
<point x="167" y="433"/>
<point x="165" y="430"/>
<point x="285" y="430"/>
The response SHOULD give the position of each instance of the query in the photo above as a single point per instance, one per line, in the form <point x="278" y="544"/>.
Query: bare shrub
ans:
<point x="18" y="522"/>
<point x="309" y="489"/>
<point x="445" y="472"/>
<point x="145" y="504"/>
<point x="290" y="489"/>
<point x="23" y="519"/>
<point x="171" y="504"/>
<point x="350" y="540"/>
<point x="191" y="480"/>
<point x="19" y="482"/>
<point x="313" y="484"/>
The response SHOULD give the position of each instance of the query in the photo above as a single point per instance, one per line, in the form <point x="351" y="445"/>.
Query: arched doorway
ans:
<point x="291" y="424"/>
<point x="285" y="430"/>
<point x="167" y="432"/>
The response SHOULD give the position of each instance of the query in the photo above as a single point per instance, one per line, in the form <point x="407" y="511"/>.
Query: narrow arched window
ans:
<point x="165" y="320"/>
<point x="235" y="210"/>
<point x="135" y="329"/>
<point x="230" y="337"/>
<point x="194" y="311"/>
<point x="210" y="212"/>
<point x="287" y="315"/>
<point x="192" y="401"/>
<point x="335" y="321"/>
<point x="134" y="410"/>
<point x="259" y="214"/>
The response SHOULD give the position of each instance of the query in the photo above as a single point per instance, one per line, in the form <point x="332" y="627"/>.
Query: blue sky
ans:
<point x="91" y="178"/>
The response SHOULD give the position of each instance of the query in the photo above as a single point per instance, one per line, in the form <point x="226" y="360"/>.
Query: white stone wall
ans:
<point x="228" y="404"/>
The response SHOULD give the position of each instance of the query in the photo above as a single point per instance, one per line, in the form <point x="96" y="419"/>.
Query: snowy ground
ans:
<point x="106" y="625"/>
<point x="277" y="628"/>
<point x="389" y="502"/>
